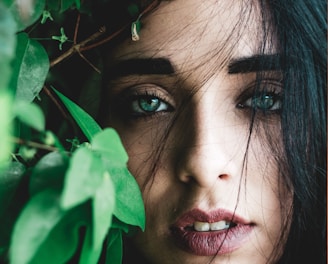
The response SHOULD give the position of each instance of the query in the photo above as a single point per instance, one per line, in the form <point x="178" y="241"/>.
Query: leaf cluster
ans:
<point x="62" y="199"/>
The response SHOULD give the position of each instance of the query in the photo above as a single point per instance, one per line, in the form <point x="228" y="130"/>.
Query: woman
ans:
<point x="221" y="106"/>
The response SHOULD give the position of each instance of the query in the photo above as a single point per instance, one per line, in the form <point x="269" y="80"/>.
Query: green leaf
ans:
<point x="66" y="4"/>
<point x="8" y="2"/>
<point x="87" y="124"/>
<point x="27" y="153"/>
<point x="63" y="239"/>
<point x="27" y="12"/>
<point x="87" y="179"/>
<point x="109" y="144"/>
<point x="6" y="144"/>
<point x="43" y="227"/>
<point x="30" y="114"/>
<point x="129" y="204"/>
<point x="39" y="223"/>
<point x="48" y="173"/>
<point x="63" y="5"/>
<point x="30" y="68"/>
<point x="116" y="223"/>
<point x="115" y="247"/>
<point x="7" y="51"/>
<point x="83" y="178"/>
<point x="89" y="254"/>
<point x="52" y="5"/>
<point x="8" y="45"/>
<point x="10" y="176"/>
<point x="103" y="207"/>
<point x="133" y="10"/>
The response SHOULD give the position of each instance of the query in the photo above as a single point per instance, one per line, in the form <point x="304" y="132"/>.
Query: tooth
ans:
<point x="219" y="225"/>
<point x="201" y="226"/>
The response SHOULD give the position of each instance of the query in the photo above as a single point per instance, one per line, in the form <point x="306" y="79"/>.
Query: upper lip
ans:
<point x="190" y="217"/>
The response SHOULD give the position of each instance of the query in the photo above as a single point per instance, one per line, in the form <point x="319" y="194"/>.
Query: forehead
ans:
<point x="198" y="31"/>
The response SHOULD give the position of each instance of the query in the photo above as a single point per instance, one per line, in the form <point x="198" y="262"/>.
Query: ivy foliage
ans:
<point x="58" y="204"/>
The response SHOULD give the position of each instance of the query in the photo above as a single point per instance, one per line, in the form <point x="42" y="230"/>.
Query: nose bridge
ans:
<point x="206" y="153"/>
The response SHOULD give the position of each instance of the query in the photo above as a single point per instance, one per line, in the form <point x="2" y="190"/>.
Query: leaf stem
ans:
<point x="33" y="144"/>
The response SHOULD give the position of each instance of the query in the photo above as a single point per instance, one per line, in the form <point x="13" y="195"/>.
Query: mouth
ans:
<point x="220" y="232"/>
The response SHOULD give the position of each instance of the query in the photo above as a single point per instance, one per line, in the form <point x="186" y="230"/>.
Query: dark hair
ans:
<point x="300" y="27"/>
<point x="301" y="31"/>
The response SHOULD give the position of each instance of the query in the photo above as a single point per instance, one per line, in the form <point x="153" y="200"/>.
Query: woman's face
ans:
<point x="182" y="98"/>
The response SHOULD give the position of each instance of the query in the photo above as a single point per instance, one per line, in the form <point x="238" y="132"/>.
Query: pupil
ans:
<point x="149" y="104"/>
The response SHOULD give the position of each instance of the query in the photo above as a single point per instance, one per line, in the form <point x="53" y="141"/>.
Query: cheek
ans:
<point x="265" y="170"/>
<point x="268" y="194"/>
<point x="143" y="150"/>
<point x="265" y="152"/>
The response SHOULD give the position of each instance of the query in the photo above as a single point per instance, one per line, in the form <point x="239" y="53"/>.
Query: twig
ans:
<point x="33" y="144"/>
<point x="77" y="25"/>
<point x="89" y="62"/>
<point x="82" y="46"/>
<point x="99" y="43"/>
<point x="77" y="47"/>
<point x="55" y="101"/>
<point x="59" y="107"/>
<point x="149" y="8"/>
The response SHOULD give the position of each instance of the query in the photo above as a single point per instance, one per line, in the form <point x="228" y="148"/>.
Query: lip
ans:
<point x="211" y="242"/>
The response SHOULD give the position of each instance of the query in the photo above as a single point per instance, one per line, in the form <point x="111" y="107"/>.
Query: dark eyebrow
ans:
<point x="269" y="62"/>
<point x="141" y="66"/>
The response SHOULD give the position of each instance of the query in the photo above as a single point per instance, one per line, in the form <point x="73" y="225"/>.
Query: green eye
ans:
<point x="266" y="102"/>
<point x="148" y="104"/>
<point x="263" y="101"/>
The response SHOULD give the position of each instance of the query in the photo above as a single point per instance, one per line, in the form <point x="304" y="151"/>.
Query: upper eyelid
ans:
<point x="148" y="89"/>
<point x="126" y="82"/>
<point x="249" y="89"/>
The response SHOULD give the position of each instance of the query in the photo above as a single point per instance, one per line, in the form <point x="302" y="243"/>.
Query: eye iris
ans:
<point x="149" y="104"/>
<point x="263" y="102"/>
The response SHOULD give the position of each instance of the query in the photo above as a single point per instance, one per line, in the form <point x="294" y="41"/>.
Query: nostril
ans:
<point x="223" y="176"/>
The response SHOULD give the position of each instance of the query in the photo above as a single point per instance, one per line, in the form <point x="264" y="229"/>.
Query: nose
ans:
<point x="207" y="150"/>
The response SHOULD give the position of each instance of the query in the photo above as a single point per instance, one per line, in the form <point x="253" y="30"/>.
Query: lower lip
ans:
<point x="213" y="242"/>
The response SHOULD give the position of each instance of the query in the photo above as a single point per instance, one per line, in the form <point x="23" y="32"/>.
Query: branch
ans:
<point x="76" y="48"/>
<point x="33" y="144"/>
<point x="99" y="43"/>
<point x="82" y="46"/>
<point x="59" y="107"/>
<point x="76" y="27"/>
<point x="152" y="6"/>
